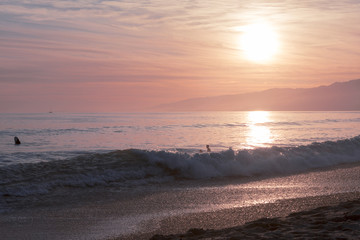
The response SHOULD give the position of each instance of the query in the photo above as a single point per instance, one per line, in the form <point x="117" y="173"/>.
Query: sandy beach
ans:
<point x="323" y="217"/>
<point x="334" y="216"/>
<point x="292" y="214"/>
<point x="341" y="221"/>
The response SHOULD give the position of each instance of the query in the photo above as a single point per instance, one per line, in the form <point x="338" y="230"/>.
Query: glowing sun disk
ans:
<point x="259" y="42"/>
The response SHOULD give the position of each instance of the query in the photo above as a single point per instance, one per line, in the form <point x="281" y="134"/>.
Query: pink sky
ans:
<point x="111" y="56"/>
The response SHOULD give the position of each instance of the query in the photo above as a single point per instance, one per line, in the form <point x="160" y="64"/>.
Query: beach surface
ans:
<point x="311" y="217"/>
<point x="221" y="205"/>
<point x="341" y="221"/>
<point x="279" y="198"/>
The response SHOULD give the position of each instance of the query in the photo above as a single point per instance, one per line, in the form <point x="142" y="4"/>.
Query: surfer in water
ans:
<point x="208" y="148"/>
<point x="17" y="140"/>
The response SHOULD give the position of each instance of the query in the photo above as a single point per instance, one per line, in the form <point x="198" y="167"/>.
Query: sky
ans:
<point x="114" y="56"/>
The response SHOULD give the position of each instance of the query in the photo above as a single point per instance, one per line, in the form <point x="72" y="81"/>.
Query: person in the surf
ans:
<point x="208" y="148"/>
<point x="17" y="140"/>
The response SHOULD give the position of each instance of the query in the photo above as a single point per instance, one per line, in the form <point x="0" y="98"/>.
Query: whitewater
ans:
<point x="129" y="150"/>
<point x="132" y="154"/>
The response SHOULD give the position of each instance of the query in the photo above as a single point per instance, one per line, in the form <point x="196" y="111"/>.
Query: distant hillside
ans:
<point x="344" y="96"/>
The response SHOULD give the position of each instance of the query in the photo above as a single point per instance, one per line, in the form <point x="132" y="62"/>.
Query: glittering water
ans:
<point x="130" y="169"/>
<point x="46" y="137"/>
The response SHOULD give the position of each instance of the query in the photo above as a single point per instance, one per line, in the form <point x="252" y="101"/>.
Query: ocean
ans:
<point x="127" y="156"/>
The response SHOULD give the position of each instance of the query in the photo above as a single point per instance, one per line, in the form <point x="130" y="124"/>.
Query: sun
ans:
<point x="259" y="42"/>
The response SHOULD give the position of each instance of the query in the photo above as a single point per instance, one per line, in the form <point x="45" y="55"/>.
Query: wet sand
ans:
<point x="221" y="205"/>
<point x="258" y="221"/>
<point x="329" y="222"/>
<point x="283" y="196"/>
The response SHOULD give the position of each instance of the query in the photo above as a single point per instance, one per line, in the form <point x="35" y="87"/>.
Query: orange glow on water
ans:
<point x="258" y="135"/>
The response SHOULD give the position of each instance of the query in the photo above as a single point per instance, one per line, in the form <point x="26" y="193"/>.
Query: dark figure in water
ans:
<point x="17" y="140"/>
<point x="208" y="148"/>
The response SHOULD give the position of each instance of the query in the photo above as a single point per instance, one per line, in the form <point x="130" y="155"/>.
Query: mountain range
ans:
<point x="339" y="96"/>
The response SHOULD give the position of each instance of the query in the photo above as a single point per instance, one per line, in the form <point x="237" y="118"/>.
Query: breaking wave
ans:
<point x="134" y="167"/>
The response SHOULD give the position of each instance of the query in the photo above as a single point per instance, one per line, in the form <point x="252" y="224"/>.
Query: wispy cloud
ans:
<point x="183" y="45"/>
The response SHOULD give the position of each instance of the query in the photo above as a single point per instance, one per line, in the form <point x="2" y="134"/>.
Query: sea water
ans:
<point x="136" y="149"/>
<point x="91" y="175"/>
<point x="60" y="134"/>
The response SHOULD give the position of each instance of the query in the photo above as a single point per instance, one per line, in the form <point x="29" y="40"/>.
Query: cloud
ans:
<point x="160" y="42"/>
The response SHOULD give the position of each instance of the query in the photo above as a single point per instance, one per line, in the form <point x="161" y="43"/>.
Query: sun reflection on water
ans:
<point x="258" y="135"/>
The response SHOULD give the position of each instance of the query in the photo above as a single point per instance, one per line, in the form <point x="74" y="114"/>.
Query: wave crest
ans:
<point x="134" y="167"/>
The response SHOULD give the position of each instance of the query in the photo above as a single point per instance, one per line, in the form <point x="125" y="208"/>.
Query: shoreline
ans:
<point x="218" y="205"/>
<point x="221" y="224"/>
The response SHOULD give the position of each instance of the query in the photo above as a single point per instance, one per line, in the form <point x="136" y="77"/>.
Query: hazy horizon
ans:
<point x="118" y="56"/>
<point x="347" y="95"/>
<point x="339" y="96"/>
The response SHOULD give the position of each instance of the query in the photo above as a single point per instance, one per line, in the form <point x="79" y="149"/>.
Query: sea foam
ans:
<point x="135" y="167"/>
